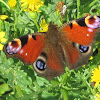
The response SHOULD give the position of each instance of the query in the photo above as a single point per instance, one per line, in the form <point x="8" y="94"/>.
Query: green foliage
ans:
<point x="20" y="82"/>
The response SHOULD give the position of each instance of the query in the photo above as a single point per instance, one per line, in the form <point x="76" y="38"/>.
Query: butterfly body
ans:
<point x="71" y="44"/>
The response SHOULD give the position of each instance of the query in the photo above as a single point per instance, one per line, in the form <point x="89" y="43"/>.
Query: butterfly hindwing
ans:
<point x="50" y="63"/>
<point x="52" y="57"/>
<point x="76" y="55"/>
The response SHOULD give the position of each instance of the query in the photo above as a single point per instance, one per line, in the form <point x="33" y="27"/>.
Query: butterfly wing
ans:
<point x="50" y="63"/>
<point x="27" y="48"/>
<point x="83" y="30"/>
<point x="78" y="39"/>
<point x="76" y="54"/>
<point x="35" y="49"/>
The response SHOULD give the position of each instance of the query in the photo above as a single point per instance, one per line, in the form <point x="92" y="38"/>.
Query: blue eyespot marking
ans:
<point x="40" y="64"/>
<point x="83" y="49"/>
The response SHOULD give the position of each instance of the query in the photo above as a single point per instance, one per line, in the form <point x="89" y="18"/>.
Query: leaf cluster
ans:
<point x="20" y="82"/>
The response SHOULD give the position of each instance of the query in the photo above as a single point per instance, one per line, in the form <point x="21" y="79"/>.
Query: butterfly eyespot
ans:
<point x="83" y="49"/>
<point x="40" y="64"/>
<point x="12" y="47"/>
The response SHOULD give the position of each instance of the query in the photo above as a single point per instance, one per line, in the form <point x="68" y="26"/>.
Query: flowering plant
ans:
<point x="20" y="82"/>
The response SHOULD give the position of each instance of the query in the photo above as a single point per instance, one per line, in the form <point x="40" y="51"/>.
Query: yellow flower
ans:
<point x="44" y="26"/>
<point x="91" y="58"/>
<point x="98" y="97"/>
<point x="2" y="39"/>
<point x="83" y="65"/>
<point x="96" y="76"/>
<point x="12" y="3"/>
<point x="3" y="17"/>
<point x="32" y="5"/>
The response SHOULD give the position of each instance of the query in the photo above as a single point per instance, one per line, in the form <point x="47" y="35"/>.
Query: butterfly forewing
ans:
<point x="82" y="31"/>
<point x="27" y="48"/>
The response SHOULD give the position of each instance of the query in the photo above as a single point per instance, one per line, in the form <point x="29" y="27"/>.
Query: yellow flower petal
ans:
<point x="91" y="58"/>
<point x="44" y="26"/>
<point x="3" y="40"/>
<point x="22" y="1"/>
<point x="83" y="66"/>
<point x="32" y="5"/>
<point x="96" y="76"/>
<point x="24" y="4"/>
<point x="2" y="34"/>
<point x="1" y="46"/>
<point x="12" y="3"/>
<point x="97" y="96"/>
<point x="99" y="90"/>
<point x="96" y="84"/>
<point x="3" y="17"/>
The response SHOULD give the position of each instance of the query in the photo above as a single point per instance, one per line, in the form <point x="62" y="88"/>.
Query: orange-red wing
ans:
<point x="83" y="30"/>
<point x="27" y="48"/>
<point x="50" y="63"/>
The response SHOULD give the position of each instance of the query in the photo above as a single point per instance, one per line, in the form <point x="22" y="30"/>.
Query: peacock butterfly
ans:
<point x="72" y="44"/>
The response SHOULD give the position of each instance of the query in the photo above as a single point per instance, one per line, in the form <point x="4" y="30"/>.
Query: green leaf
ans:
<point x="4" y="88"/>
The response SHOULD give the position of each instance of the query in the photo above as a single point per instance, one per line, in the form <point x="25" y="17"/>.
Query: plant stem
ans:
<point x="78" y="8"/>
<point x="34" y="15"/>
<point x="63" y="90"/>
<point x="65" y="94"/>
<point x="5" y="4"/>
<point x="36" y="24"/>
